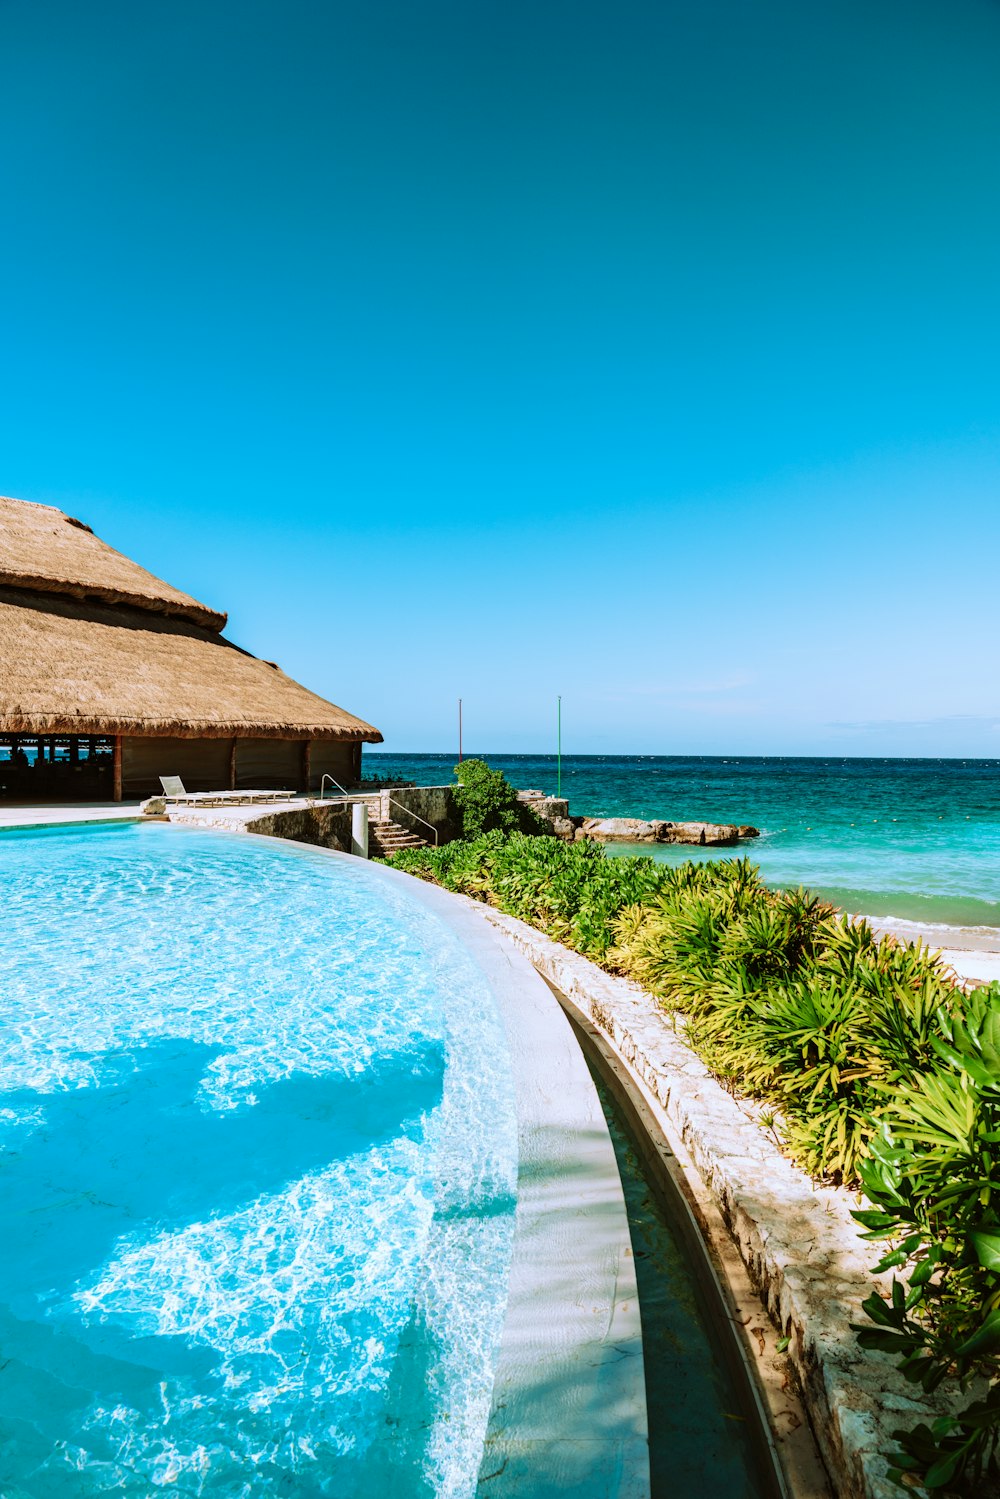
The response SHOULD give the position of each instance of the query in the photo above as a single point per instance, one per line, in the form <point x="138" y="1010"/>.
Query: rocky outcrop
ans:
<point x="554" y="813"/>
<point x="639" y="830"/>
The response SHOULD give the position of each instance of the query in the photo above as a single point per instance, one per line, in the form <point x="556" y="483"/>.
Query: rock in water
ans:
<point x="623" y="830"/>
<point x="640" y="830"/>
<point x="703" y="833"/>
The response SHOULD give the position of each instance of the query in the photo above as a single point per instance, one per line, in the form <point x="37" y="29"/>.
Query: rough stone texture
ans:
<point x="639" y="830"/>
<point x="622" y="830"/>
<point x="557" y="823"/>
<point x="324" y="826"/>
<point x="545" y="806"/>
<point x="553" y="811"/>
<point x="413" y="807"/>
<point x="798" y="1240"/>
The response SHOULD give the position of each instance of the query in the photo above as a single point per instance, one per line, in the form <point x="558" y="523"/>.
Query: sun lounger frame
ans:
<point x="218" y="798"/>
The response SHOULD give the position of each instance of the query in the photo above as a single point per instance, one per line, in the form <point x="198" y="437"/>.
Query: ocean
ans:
<point x="912" y="840"/>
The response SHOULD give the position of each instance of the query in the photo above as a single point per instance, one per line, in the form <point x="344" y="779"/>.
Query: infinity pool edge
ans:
<point x="569" y="1403"/>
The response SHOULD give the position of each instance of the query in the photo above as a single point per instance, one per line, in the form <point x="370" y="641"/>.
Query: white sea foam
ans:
<point x="940" y="933"/>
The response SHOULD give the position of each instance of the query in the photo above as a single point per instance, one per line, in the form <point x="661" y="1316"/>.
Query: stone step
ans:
<point x="388" y="837"/>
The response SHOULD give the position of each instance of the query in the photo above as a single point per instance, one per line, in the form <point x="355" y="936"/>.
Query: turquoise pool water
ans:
<point x="257" y="1174"/>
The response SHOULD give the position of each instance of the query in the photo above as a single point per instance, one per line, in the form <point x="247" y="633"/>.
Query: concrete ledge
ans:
<point x="798" y="1241"/>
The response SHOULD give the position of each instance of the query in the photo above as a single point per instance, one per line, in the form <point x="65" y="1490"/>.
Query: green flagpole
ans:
<point x="559" y="746"/>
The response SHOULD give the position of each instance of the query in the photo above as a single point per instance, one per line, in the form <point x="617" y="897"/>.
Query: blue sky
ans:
<point x="645" y="353"/>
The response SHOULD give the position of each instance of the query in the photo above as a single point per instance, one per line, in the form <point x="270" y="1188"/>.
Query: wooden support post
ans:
<point x="306" y="755"/>
<point x="117" y="768"/>
<point x="232" y="766"/>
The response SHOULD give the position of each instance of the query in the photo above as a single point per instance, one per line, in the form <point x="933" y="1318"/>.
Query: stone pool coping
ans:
<point x="797" y="1240"/>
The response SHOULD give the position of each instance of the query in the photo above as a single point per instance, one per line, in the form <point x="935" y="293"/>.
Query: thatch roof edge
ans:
<point x="44" y="550"/>
<point x="195" y="613"/>
<point x="13" y="723"/>
<point x="68" y="667"/>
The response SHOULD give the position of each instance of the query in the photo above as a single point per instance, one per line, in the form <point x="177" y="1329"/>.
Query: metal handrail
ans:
<point x="393" y="802"/>
<point x="370" y="796"/>
<point x="328" y="777"/>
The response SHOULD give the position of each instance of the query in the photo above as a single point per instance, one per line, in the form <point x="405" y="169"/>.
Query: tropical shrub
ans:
<point x="933" y="1177"/>
<point x="877" y="1071"/>
<point x="487" y="802"/>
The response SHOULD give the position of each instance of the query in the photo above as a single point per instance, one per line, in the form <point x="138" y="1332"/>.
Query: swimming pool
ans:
<point x="258" y="1144"/>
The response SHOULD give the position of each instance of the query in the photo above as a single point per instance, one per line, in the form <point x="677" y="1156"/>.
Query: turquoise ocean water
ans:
<point x="912" y="839"/>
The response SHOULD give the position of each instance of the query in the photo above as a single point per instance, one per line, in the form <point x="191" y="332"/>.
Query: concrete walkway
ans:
<point x="52" y="814"/>
<point x="234" y="817"/>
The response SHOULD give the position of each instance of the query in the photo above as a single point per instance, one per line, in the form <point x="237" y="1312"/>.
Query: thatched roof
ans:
<point x="43" y="550"/>
<point x="70" y="667"/>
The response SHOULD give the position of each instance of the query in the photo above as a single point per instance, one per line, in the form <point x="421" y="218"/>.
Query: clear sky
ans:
<point x="644" y="352"/>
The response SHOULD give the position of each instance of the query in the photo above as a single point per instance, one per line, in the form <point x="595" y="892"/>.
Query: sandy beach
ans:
<point x="973" y="951"/>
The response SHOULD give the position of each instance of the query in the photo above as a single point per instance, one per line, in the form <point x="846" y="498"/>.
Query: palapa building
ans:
<point x="110" y="678"/>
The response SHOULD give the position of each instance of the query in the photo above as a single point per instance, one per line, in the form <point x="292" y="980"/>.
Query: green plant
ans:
<point x="872" y="1069"/>
<point x="933" y="1177"/>
<point x="488" y="802"/>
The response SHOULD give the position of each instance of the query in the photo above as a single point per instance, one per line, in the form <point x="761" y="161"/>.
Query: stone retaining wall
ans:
<point x="413" y="807"/>
<point x="325" y="827"/>
<point x="798" y="1241"/>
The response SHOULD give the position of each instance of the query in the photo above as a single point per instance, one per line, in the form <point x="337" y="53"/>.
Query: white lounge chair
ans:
<point x="173" y="791"/>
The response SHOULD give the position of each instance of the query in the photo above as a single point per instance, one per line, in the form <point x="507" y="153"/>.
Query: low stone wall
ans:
<point x="413" y="807"/>
<point x="798" y="1240"/>
<point x="553" y="811"/>
<point x="324" y="827"/>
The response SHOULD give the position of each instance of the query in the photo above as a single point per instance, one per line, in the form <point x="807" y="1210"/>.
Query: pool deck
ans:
<point x="54" y="814"/>
<point x="233" y="817"/>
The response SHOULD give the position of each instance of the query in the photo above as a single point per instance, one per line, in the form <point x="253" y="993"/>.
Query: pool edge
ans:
<point x="568" y="1411"/>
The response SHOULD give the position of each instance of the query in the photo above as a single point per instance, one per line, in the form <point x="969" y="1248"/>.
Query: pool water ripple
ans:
<point x="258" y="1167"/>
